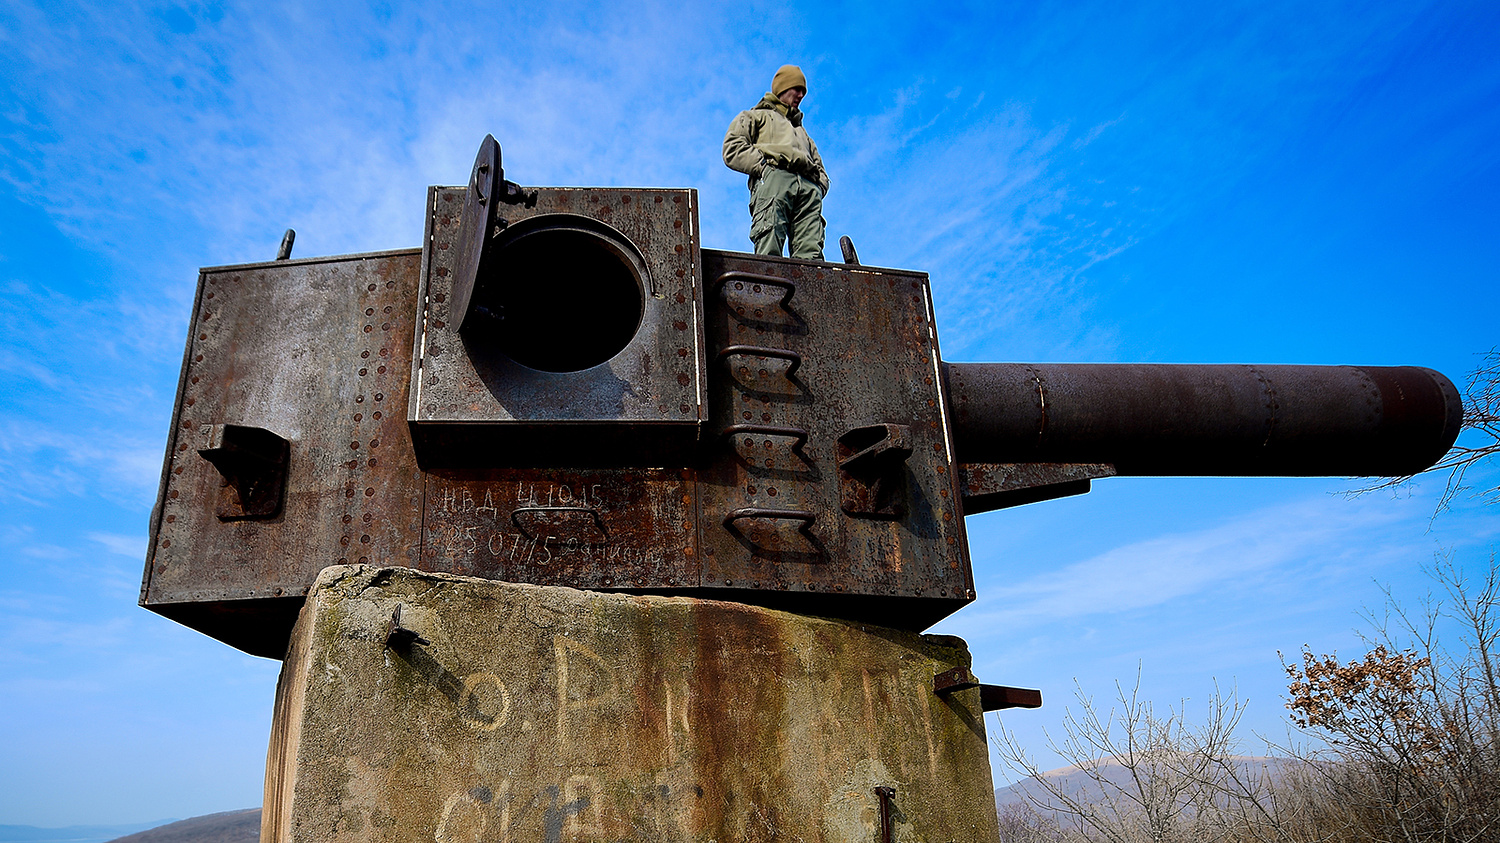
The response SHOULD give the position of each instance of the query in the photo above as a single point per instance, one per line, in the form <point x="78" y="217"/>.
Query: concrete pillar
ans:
<point x="540" y="715"/>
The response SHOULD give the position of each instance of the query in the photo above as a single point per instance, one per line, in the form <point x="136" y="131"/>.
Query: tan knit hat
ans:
<point x="788" y="77"/>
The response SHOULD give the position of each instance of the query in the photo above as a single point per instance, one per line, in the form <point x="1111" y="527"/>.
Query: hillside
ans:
<point x="226" y="827"/>
<point x="1081" y="787"/>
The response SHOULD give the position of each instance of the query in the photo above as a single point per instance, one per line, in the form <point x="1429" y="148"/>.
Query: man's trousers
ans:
<point x="786" y="206"/>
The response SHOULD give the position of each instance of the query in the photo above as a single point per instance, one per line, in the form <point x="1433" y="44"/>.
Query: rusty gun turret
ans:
<point x="575" y="392"/>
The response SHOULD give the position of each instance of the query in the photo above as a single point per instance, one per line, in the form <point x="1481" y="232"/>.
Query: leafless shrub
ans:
<point x="1411" y="732"/>
<point x="1141" y="776"/>
<point x="1022" y="823"/>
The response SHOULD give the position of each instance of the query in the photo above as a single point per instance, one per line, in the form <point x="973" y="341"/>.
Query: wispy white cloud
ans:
<point x="41" y="462"/>
<point x="47" y="551"/>
<point x="1258" y="547"/>
<point x="36" y="638"/>
<point x="132" y="546"/>
<point x="237" y="128"/>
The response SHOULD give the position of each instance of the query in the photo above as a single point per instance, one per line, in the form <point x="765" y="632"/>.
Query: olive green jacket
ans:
<point x="771" y="133"/>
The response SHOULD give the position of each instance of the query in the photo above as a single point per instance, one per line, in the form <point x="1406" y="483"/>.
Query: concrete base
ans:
<point x="541" y="715"/>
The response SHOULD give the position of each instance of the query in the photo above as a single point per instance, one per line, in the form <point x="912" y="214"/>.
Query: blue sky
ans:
<point x="1252" y="182"/>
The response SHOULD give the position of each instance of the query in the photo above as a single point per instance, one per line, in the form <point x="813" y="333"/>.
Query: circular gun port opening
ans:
<point x="561" y="299"/>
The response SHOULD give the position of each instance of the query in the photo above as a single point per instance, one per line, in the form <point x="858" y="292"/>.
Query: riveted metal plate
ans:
<point x="317" y="352"/>
<point x="473" y="406"/>
<point x="826" y="349"/>
<point x="607" y="528"/>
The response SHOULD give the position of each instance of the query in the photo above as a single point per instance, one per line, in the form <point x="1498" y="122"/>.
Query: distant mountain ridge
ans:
<point x="241" y="826"/>
<point x="1083" y="788"/>
<point x="74" y="833"/>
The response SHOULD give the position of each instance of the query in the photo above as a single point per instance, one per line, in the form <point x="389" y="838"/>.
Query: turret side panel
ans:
<point x="811" y="364"/>
<point x="317" y="352"/>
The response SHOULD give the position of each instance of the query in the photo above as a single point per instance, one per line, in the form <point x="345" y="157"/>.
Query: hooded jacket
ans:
<point x="771" y="133"/>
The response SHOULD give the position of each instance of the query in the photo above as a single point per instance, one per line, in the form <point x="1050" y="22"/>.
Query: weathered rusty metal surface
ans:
<point x="872" y="470"/>
<point x="253" y="463"/>
<point x="600" y="528"/>
<point x="476" y="222"/>
<point x="552" y="715"/>
<point x="805" y="354"/>
<point x="992" y="697"/>
<point x="991" y="486"/>
<point x="887" y="824"/>
<point x="317" y="352"/>
<point x="999" y="697"/>
<point x="771" y="431"/>
<point x="1202" y="420"/>
<point x="284" y="251"/>
<point x="474" y="404"/>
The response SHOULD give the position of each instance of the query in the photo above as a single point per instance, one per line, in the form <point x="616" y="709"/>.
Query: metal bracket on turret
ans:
<point x="991" y="697"/>
<point x="990" y="486"/>
<point x="254" y="462"/>
<point x="872" y="470"/>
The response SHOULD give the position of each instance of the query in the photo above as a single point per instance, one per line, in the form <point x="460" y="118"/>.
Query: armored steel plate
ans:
<point x="618" y="378"/>
<point x="316" y="352"/>
<point x="478" y="222"/>
<point x="602" y="528"/>
<point x="832" y="468"/>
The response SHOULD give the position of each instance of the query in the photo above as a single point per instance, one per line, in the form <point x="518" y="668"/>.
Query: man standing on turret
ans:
<point x="787" y="179"/>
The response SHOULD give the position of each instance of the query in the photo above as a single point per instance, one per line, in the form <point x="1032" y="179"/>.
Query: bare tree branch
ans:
<point x="1481" y="416"/>
<point x="1410" y="737"/>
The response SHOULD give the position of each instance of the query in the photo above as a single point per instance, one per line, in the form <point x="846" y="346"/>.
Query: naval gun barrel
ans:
<point x="1194" y="420"/>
